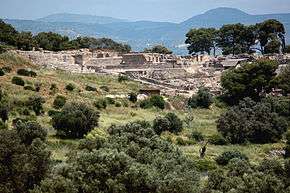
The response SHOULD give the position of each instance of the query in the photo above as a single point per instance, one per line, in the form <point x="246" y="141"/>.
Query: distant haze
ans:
<point x="155" y="10"/>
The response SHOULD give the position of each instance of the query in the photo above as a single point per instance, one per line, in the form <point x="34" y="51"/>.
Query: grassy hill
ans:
<point x="202" y="120"/>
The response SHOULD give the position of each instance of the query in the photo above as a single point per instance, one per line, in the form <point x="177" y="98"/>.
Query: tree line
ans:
<point x="267" y="37"/>
<point x="53" y="41"/>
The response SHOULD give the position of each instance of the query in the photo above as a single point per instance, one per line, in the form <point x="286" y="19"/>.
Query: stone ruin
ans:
<point x="170" y="73"/>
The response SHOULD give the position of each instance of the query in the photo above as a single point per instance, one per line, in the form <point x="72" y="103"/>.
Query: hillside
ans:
<point x="204" y="120"/>
<point x="123" y="146"/>
<point x="142" y="34"/>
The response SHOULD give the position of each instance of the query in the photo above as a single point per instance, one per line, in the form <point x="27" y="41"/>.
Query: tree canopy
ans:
<point x="266" y="37"/>
<point x="54" y="41"/>
<point x="158" y="49"/>
<point x="131" y="159"/>
<point x="252" y="80"/>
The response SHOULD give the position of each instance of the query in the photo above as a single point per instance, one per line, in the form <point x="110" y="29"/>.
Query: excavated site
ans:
<point x="170" y="74"/>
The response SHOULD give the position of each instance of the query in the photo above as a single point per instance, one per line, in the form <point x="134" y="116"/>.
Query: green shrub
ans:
<point x="59" y="102"/>
<point x="160" y="124"/>
<point x="251" y="121"/>
<point x="202" y="99"/>
<point x="28" y="87"/>
<point x="35" y="104"/>
<point x="153" y="101"/>
<point x="204" y="165"/>
<point x="2" y="73"/>
<point x="70" y="87"/>
<point x="197" y="136"/>
<point x="53" y="88"/>
<point x="118" y="104"/>
<point x="157" y="101"/>
<point x="133" y="97"/>
<point x="75" y="120"/>
<point x="105" y="88"/>
<point x="7" y="69"/>
<point x="146" y="104"/>
<point x="26" y="72"/>
<point x="18" y="81"/>
<point x="91" y="88"/>
<point x="227" y="156"/>
<point x="23" y="165"/>
<point x="169" y="123"/>
<point x="101" y="104"/>
<point x="122" y="78"/>
<point x="110" y="101"/>
<point x="218" y="139"/>
<point x="30" y="130"/>
<point x="175" y="123"/>
<point x="25" y="112"/>
<point x="52" y="112"/>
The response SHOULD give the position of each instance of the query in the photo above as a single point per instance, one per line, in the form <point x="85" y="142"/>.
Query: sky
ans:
<point x="154" y="10"/>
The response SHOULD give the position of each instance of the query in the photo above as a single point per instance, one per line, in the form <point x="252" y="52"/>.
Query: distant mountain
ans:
<point x="142" y="34"/>
<point x="223" y="15"/>
<point x="78" y="18"/>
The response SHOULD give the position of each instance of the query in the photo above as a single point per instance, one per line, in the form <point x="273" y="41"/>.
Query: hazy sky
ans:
<point x="157" y="10"/>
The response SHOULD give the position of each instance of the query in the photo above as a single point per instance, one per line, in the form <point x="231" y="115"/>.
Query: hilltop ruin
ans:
<point x="170" y="73"/>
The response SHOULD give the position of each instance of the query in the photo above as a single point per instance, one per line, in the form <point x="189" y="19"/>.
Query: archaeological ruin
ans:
<point x="170" y="73"/>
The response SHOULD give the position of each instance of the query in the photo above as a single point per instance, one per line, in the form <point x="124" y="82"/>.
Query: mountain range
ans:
<point x="141" y="34"/>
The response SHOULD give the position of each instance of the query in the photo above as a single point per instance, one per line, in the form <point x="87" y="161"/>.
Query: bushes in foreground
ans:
<point x="24" y="157"/>
<point x="269" y="176"/>
<point x="75" y="120"/>
<point x="253" y="122"/>
<point x="131" y="159"/>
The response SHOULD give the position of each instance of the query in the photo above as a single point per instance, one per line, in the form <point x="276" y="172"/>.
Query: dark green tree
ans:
<point x="35" y="103"/>
<point x="201" y="40"/>
<point x="158" y="49"/>
<point x="101" y="43"/>
<point x="132" y="159"/>
<point x="202" y="99"/>
<point x="283" y="80"/>
<point x="59" y="102"/>
<point x="252" y="80"/>
<point x="175" y="123"/>
<point x="269" y="31"/>
<point x="161" y="124"/>
<point x="51" y="41"/>
<point x="75" y="120"/>
<point x="235" y="38"/>
<point x="25" y="41"/>
<point x="30" y="130"/>
<point x="251" y="121"/>
<point x="7" y="33"/>
<point x="22" y="166"/>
